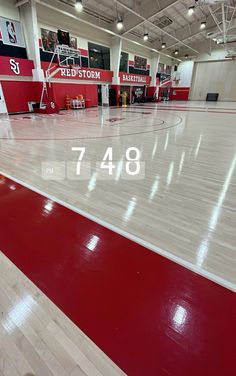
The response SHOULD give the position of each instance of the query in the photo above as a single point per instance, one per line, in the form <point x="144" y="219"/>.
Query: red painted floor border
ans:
<point x="150" y="315"/>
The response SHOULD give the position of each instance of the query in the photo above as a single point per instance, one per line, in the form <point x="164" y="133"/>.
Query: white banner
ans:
<point x="12" y="32"/>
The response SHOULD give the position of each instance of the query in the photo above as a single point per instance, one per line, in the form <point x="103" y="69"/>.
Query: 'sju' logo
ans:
<point x="14" y="66"/>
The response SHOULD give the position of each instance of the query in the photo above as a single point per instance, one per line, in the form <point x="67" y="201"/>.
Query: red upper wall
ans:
<point x="13" y="66"/>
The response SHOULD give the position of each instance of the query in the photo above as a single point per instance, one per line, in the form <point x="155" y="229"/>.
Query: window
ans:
<point x="99" y="56"/>
<point x="124" y="62"/>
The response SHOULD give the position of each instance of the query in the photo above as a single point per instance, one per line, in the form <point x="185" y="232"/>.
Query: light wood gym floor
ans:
<point x="182" y="206"/>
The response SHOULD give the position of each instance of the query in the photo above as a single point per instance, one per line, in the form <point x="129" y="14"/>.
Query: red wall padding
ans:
<point x="179" y="93"/>
<point x="18" y="93"/>
<point x="117" y="89"/>
<point x="151" y="90"/>
<point x="89" y="91"/>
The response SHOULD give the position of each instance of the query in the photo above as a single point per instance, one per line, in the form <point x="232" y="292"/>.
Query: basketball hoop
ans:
<point x="65" y="50"/>
<point x="66" y="56"/>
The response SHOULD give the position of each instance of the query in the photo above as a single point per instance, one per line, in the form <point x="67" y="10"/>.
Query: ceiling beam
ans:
<point x="150" y="17"/>
<point x="22" y="2"/>
<point x="212" y="29"/>
<point x="215" y="18"/>
<point x="162" y="31"/>
<point x="231" y="19"/>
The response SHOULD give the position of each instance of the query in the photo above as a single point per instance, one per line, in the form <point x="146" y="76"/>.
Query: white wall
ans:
<point x="8" y="9"/>
<point x="218" y="54"/>
<point x="85" y="34"/>
<point x="214" y="77"/>
<point x="52" y="21"/>
<point x="166" y="60"/>
<point x="98" y="37"/>
<point x="185" y="72"/>
<point x="133" y="49"/>
<point x="55" y="20"/>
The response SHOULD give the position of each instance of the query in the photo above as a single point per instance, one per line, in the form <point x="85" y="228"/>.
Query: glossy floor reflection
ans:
<point x="150" y="315"/>
<point x="182" y="205"/>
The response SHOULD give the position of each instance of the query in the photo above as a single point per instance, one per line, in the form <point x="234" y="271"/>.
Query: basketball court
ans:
<point x="117" y="246"/>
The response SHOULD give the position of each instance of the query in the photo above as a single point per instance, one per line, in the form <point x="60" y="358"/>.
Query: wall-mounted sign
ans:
<point x="87" y="74"/>
<point x="50" y="40"/>
<point x="15" y="67"/>
<point x="83" y="74"/>
<point x="134" y="78"/>
<point x="73" y="42"/>
<point x="11" y="32"/>
<point x="140" y="62"/>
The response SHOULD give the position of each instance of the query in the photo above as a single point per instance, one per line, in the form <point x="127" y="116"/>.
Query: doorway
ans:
<point x="3" y="107"/>
<point x="99" y="95"/>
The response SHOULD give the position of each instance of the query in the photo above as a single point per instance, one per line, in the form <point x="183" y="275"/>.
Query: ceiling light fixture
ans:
<point x="186" y="56"/>
<point x="191" y="10"/>
<point x="145" y="36"/>
<point x="119" y="24"/>
<point x="163" y="45"/>
<point x="176" y="52"/>
<point x="203" y="25"/>
<point x="78" y="5"/>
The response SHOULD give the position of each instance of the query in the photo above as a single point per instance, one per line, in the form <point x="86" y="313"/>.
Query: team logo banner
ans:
<point x="49" y="40"/>
<point x="12" y="32"/>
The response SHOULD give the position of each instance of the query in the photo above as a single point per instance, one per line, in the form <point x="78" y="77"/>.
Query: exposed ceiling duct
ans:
<point x="163" y="22"/>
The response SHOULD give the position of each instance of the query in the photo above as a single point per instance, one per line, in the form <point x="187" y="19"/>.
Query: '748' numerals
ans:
<point x="132" y="165"/>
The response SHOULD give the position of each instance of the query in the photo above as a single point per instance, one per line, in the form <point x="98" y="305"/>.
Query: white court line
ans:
<point x="194" y="268"/>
